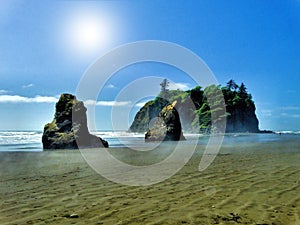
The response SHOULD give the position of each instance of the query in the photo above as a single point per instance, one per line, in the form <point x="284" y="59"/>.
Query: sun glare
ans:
<point x="86" y="32"/>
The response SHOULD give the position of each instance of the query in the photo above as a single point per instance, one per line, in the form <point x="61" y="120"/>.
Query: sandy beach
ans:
<point x="249" y="184"/>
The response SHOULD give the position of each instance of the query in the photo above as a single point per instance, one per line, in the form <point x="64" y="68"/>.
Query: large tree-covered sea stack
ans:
<point x="240" y="109"/>
<point x="69" y="130"/>
<point x="167" y="126"/>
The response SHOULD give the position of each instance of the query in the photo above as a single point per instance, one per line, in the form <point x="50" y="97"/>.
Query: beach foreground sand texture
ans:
<point x="254" y="187"/>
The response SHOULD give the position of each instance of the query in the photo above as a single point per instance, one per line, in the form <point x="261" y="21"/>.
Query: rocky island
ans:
<point x="240" y="109"/>
<point x="69" y="130"/>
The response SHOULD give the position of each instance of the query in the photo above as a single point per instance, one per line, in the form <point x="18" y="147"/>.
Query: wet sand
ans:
<point x="249" y="184"/>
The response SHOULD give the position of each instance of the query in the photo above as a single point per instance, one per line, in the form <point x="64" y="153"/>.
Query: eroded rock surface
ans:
<point x="167" y="126"/>
<point x="69" y="130"/>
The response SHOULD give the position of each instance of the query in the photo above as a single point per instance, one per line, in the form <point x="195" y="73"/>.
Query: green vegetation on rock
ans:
<point x="69" y="130"/>
<point x="195" y="108"/>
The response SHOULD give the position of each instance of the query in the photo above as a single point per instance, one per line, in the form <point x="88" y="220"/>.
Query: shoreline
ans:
<point x="116" y="142"/>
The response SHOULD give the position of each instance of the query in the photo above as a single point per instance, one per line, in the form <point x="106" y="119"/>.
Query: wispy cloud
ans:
<point x="28" y="85"/>
<point x="140" y="104"/>
<point x="110" y="86"/>
<point x="283" y="112"/>
<point x="290" y="108"/>
<point x="22" y="99"/>
<point x="290" y="115"/>
<point x="108" y="103"/>
<point x="3" y="91"/>
<point x="180" y="86"/>
<point x="291" y="91"/>
<point x="50" y="99"/>
<point x="266" y="112"/>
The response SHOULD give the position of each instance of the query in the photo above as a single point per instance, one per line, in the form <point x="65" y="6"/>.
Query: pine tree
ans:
<point x="231" y="85"/>
<point x="242" y="92"/>
<point x="164" y="92"/>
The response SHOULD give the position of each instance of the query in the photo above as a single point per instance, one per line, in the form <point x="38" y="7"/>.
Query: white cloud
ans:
<point x="290" y="108"/>
<point x="107" y="103"/>
<point x="49" y="99"/>
<point x="141" y="104"/>
<point x="291" y="91"/>
<point x="290" y="115"/>
<point x="266" y="112"/>
<point x="180" y="86"/>
<point x="22" y="99"/>
<point x="3" y="91"/>
<point x="27" y="85"/>
<point x="89" y="102"/>
<point x="110" y="86"/>
<point x="113" y="103"/>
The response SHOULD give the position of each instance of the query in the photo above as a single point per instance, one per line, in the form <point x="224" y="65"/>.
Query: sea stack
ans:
<point x="69" y="130"/>
<point x="167" y="126"/>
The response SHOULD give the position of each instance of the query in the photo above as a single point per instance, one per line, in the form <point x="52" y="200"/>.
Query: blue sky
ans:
<point x="46" y="46"/>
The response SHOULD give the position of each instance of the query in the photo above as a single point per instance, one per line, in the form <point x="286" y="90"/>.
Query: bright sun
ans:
<point x="86" y="32"/>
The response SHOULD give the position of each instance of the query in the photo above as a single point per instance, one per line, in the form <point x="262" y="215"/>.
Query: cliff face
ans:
<point x="144" y="116"/>
<point x="167" y="126"/>
<point x="240" y="110"/>
<point x="69" y="130"/>
<point x="241" y="120"/>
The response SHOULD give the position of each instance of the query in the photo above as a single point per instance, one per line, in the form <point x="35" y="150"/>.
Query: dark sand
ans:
<point x="249" y="184"/>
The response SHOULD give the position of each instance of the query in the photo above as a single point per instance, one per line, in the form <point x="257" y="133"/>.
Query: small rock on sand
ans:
<point x="73" y="215"/>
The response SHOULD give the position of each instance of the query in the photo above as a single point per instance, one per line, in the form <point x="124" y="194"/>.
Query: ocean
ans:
<point x="32" y="140"/>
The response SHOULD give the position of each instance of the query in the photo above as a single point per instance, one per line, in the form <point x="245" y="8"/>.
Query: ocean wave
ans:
<point x="287" y="132"/>
<point x="32" y="140"/>
<point x="17" y="138"/>
<point x="117" y="134"/>
<point x="20" y="137"/>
